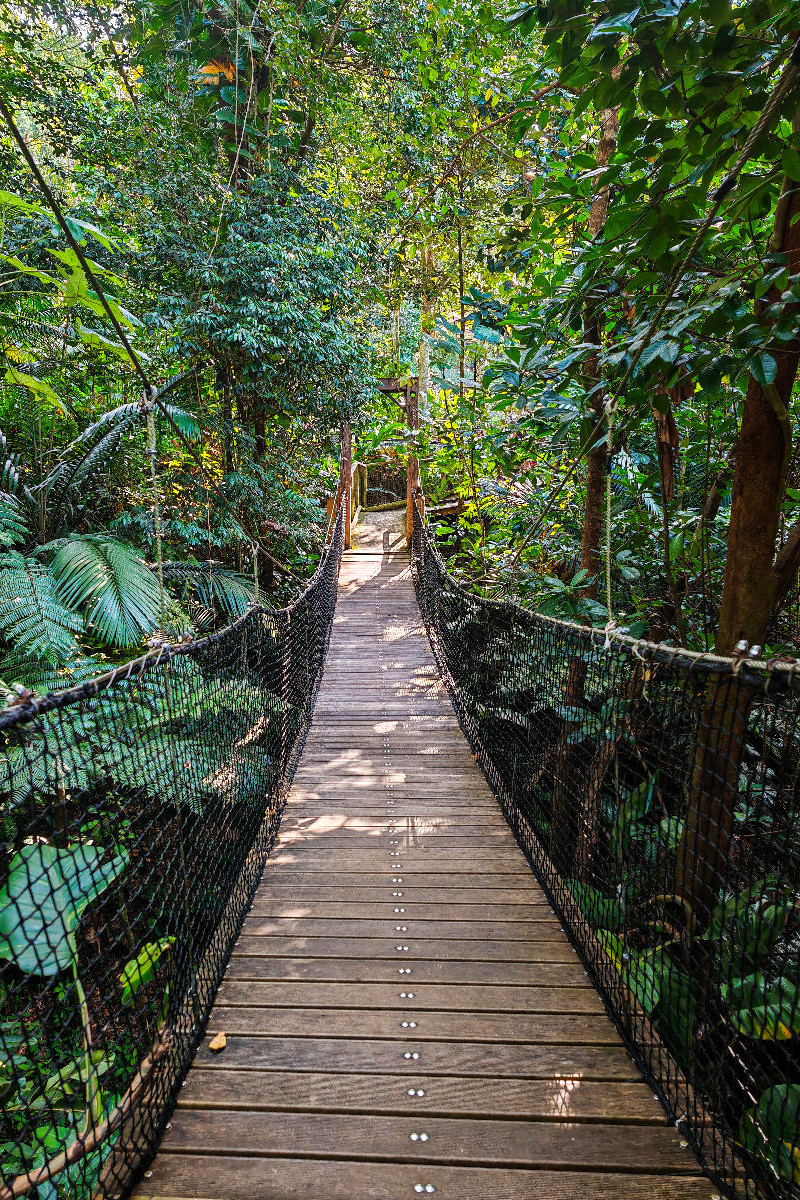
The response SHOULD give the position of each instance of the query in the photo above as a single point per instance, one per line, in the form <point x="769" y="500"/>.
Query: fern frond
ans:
<point x="209" y="583"/>
<point x="110" y="584"/>
<point x="13" y="526"/>
<point x="32" y="614"/>
<point x="42" y="676"/>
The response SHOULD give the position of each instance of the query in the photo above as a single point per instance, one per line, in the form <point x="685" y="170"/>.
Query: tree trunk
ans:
<point x="260" y="431"/>
<point x="763" y="451"/>
<point x="564" y="825"/>
<point x="224" y="384"/>
<point x="753" y="582"/>
<point x="597" y="463"/>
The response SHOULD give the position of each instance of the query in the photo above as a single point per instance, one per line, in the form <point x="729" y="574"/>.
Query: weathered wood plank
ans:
<point x="331" y="947"/>
<point x="386" y="970"/>
<point x="211" y="1177"/>
<point x="544" y="1099"/>
<point x="556" y="1026"/>
<point x="557" y="997"/>
<point x="534" y="928"/>
<point x="376" y="1056"/>
<point x="491" y="885"/>
<point x="371" y="909"/>
<point x="542" y="1144"/>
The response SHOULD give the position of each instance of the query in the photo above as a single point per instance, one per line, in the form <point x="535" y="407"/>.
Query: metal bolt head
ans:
<point x="401" y="929"/>
<point x="406" y="995"/>
<point x="409" y="1054"/>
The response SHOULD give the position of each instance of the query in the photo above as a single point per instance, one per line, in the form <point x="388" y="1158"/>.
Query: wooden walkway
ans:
<point x="403" y="1013"/>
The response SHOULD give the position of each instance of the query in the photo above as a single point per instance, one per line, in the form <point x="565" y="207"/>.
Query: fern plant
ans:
<point x="32" y="614"/>
<point x="109" y="584"/>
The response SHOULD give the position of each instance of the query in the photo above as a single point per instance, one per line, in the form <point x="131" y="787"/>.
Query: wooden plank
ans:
<point x="494" y="1060"/>
<point x="385" y="841"/>
<point x="556" y="1027"/>
<point x="537" y="926"/>
<point x="386" y="970"/>
<point x="321" y="947"/>
<point x="555" y="996"/>
<point x="217" y="1177"/>
<point x="489" y="885"/>
<point x="371" y="909"/>
<point x="369" y="860"/>
<point x="555" y="1100"/>
<point x="541" y="1144"/>
<point x="432" y="825"/>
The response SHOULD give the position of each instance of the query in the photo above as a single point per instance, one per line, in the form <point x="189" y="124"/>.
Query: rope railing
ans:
<point x="656" y="793"/>
<point x="137" y="813"/>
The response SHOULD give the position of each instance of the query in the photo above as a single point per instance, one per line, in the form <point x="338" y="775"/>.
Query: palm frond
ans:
<point x="186" y="421"/>
<point x="33" y="616"/>
<point x="210" y="583"/>
<point x="66" y="478"/>
<point x="110" y="584"/>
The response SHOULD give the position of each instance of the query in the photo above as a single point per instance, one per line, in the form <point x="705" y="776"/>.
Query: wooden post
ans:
<point x="412" y="471"/>
<point x="347" y="482"/>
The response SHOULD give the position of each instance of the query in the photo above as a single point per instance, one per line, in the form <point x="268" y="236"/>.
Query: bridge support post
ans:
<point x="412" y="470"/>
<point x="347" y="482"/>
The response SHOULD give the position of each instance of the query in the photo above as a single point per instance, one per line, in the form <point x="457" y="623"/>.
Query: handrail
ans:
<point x="138" y="810"/>
<point x="654" y="791"/>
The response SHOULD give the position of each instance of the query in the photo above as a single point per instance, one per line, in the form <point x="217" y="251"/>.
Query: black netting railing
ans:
<point x="137" y="812"/>
<point x="657" y="794"/>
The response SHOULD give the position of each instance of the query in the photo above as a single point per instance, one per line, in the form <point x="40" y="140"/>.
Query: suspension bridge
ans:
<point x="375" y="896"/>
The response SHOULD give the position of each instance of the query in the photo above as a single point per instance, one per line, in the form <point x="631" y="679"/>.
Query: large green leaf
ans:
<point x="769" y="1011"/>
<point x="771" y="1130"/>
<point x="110" y="584"/>
<point x="47" y="891"/>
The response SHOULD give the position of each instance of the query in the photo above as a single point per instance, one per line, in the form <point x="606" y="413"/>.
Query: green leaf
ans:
<point x="790" y="162"/>
<point x="47" y="891"/>
<point x="770" y="1130"/>
<point x="764" y="369"/>
<point x="769" y="1011"/>
<point x="602" y="912"/>
<point x="139" y="971"/>
<point x="109" y="583"/>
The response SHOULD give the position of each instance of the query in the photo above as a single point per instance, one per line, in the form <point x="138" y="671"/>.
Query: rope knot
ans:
<point x="148" y="401"/>
<point x="611" y="627"/>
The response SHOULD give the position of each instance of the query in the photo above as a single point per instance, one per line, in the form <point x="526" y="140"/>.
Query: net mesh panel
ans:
<point x="137" y="815"/>
<point x="657" y="795"/>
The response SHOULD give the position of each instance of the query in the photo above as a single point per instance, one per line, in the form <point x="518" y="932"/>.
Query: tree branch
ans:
<point x="87" y="1142"/>
<point x="552" y="87"/>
